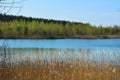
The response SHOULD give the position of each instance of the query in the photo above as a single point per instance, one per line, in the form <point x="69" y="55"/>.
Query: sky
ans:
<point x="95" y="12"/>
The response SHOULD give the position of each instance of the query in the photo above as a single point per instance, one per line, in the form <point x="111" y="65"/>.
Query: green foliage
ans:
<point x="16" y="26"/>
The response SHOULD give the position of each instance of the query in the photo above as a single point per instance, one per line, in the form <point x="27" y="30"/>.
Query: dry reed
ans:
<point x="52" y="66"/>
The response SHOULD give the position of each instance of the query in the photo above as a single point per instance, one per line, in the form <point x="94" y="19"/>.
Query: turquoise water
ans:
<point x="62" y="43"/>
<point x="64" y="48"/>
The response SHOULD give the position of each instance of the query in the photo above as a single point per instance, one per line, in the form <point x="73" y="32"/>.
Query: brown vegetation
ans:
<point x="59" y="69"/>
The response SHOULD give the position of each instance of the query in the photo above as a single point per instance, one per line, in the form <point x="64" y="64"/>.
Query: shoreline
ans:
<point x="62" y="37"/>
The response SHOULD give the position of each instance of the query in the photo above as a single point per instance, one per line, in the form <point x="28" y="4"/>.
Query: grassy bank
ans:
<point x="56" y="68"/>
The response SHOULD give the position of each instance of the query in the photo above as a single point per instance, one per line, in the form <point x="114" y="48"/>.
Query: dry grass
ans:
<point x="60" y="69"/>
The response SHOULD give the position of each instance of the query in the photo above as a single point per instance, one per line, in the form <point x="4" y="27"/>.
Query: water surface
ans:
<point x="90" y="49"/>
<point x="62" y="43"/>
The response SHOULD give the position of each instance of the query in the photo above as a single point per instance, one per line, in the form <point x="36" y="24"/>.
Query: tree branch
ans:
<point x="7" y="6"/>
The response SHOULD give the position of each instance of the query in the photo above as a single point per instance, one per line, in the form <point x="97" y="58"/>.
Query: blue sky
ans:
<point x="95" y="12"/>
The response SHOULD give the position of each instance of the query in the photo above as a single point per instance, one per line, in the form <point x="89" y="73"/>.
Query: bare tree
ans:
<point x="10" y="6"/>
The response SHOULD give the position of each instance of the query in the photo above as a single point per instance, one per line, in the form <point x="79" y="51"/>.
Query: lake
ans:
<point x="61" y="47"/>
<point x="62" y="43"/>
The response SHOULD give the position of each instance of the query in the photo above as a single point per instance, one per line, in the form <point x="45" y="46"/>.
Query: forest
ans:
<point x="38" y="28"/>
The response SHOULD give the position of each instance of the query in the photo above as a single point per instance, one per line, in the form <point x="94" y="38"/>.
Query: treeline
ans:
<point x="27" y="27"/>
